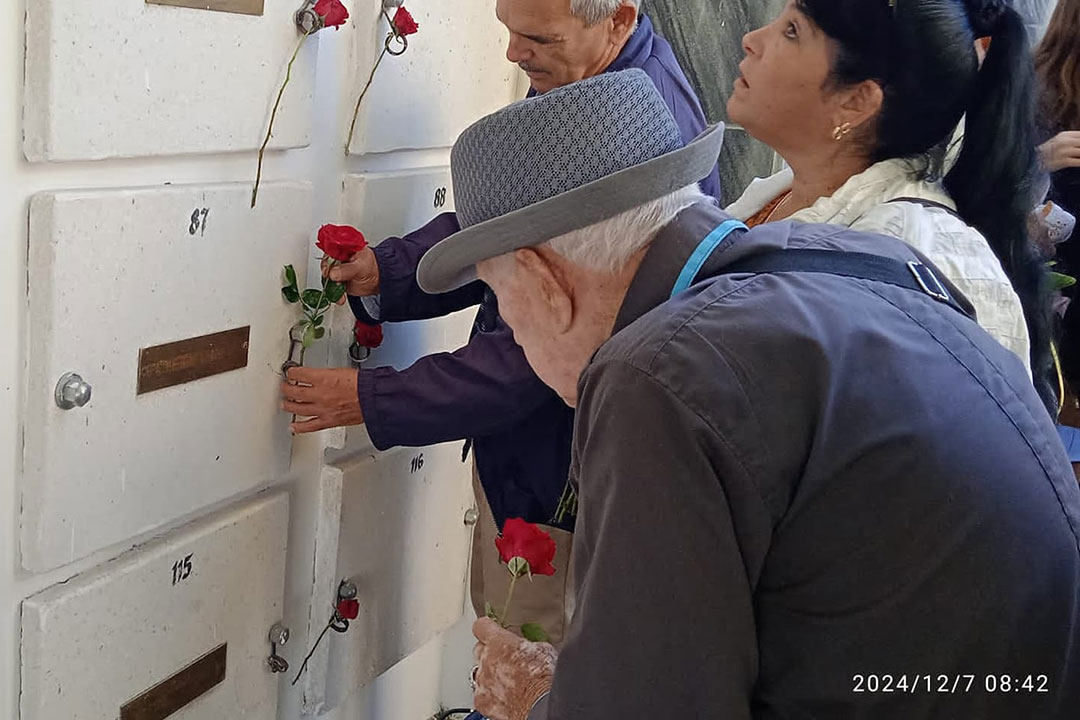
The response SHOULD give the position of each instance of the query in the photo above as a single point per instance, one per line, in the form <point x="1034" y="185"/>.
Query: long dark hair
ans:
<point x="1057" y="62"/>
<point x="922" y="54"/>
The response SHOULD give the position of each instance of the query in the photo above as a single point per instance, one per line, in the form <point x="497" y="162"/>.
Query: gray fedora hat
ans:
<point x="559" y="162"/>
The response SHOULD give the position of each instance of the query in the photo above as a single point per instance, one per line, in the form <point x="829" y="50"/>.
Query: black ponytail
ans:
<point x="993" y="180"/>
<point x="922" y="54"/>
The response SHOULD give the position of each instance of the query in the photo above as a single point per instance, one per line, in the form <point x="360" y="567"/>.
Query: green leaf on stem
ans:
<point x="489" y="611"/>
<point x="318" y="320"/>
<point x="290" y="277"/>
<point x="315" y="299"/>
<point x="534" y="633"/>
<point x="319" y="332"/>
<point x="309" y="335"/>
<point x="290" y="293"/>
<point x="335" y="291"/>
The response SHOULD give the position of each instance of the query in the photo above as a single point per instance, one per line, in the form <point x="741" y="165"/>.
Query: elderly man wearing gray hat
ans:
<point x="484" y="392"/>
<point x="810" y="484"/>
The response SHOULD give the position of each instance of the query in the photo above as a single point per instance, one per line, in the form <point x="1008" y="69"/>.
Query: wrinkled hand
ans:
<point x="326" y="396"/>
<point x="360" y="275"/>
<point x="513" y="674"/>
<point x="1061" y="151"/>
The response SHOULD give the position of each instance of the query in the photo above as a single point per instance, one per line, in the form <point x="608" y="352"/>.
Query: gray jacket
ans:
<point x="811" y="496"/>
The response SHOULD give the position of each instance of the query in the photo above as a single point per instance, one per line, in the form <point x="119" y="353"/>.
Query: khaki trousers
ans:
<point x="546" y="600"/>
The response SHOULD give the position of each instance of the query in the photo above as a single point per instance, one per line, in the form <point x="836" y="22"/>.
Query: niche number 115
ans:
<point x="181" y="569"/>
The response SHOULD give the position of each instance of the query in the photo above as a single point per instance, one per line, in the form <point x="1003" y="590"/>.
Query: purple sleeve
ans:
<point x="400" y="297"/>
<point x="477" y="390"/>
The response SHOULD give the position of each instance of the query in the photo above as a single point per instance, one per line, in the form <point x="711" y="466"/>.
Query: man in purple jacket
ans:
<point x="485" y="393"/>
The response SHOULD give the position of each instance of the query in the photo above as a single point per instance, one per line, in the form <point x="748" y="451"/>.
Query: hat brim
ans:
<point x="451" y="263"/>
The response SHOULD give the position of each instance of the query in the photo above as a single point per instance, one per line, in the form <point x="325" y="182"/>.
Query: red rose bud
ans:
<point x="404" y="23"/>
<point x="340" y="242"/>
<point x="522" y="539"/>
<point x="369" y="336"/>
<point x="349" y="609"/>
<point x="333" y="13"/>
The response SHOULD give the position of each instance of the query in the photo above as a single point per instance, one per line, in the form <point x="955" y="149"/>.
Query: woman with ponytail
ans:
<point x="862" y="99"/>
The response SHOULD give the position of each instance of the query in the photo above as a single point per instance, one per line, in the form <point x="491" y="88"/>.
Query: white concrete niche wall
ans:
<point x="395" y="525"/>
<point x="381" y="205"/>
<point x="122" y="78"/>
<point x="454" y="72"/>
<point x="114" y="271"/>
<point x="98" y="641"/>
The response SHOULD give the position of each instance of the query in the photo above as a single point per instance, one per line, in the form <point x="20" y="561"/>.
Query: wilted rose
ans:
<point x="349" y="609"/>
<point x="404" y="24"/>
<point x="369" y="336"/>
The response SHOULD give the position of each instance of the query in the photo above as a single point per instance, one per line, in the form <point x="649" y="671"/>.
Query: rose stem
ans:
<point x="356" y="111"/>
<point x="273" y="115"/>
<point x="506" y="608"/>
<point x="315" y="312"/>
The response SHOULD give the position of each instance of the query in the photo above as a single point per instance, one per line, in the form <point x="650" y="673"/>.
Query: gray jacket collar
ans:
<point x="667" y="255"/>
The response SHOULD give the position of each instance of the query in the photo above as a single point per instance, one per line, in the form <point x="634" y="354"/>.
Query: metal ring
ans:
<point x="358" y="355"/>
<point x="400" y="38"/>
<point x="472" y="677"/>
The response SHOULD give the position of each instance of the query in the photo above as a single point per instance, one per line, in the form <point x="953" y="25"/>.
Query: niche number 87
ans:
<point x="198" y="221"/>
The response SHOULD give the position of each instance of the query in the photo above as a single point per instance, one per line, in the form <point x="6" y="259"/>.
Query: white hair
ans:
<point x="606" y="246"/>
<point x="593" y="11"/>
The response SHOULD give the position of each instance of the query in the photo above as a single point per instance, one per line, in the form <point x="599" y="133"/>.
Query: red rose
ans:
<point x="333" y="13"/>
<point x="340" y="242"/>
<point x="369" y="336"/>
<point x="404" y="23"/>
<point x="349" y="609"/>
<point x="526" y="540"/>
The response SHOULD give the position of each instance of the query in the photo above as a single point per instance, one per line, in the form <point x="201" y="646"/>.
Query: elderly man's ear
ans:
<point x="548" y="287"/>
<point x="624" y="22"/>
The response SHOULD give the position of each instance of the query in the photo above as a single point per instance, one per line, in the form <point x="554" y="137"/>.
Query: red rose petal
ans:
<point x="369" y="336"/>
<point x="340" y="242"/>
<point x="404" y="24"/>
<point x="349" y="609"/>
<point x="527" y="540"/>
<point x="333" y="12"/>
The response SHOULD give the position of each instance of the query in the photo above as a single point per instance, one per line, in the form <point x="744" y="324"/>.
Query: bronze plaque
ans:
<point x="241" y="7"/>
<point x="168" y="696"/>
<point x="181" y="362"/>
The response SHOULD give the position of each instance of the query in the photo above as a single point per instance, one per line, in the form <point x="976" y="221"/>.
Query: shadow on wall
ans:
<point x="707" y="38"/>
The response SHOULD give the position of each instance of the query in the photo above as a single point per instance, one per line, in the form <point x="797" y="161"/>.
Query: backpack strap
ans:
<point x="919" y="276"/>
<point x="928" y="204"/>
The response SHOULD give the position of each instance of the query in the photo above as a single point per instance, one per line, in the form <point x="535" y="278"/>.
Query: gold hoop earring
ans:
<point x="840" y="131"/>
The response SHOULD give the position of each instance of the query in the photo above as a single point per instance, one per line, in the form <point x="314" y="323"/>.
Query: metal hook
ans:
<point x="346" y="590"/>
<point x="401" y="39"/>
<point x="279" y="635"/>
<point x="296" y="350"/>
<point x="307" y="19"/>
<point x="358" y="355"/>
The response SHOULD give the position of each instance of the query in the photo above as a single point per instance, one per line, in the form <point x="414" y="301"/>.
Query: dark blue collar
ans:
<point x="638" y="47"/>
